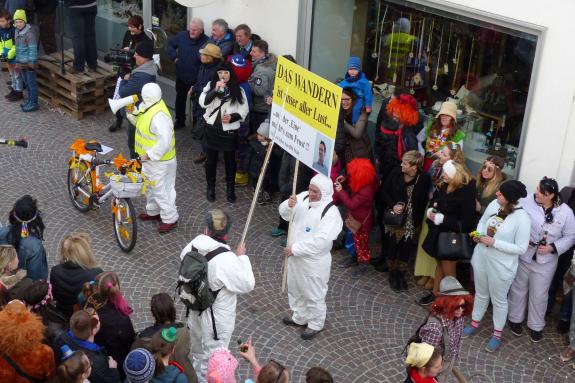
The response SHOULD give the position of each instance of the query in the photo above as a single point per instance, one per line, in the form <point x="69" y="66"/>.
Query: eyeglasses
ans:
<point x="281" y="370"/>
<point x="462" y="306"/>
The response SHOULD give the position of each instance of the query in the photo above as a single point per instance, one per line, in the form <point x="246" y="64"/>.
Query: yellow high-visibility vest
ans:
<point x="145" y="139"/>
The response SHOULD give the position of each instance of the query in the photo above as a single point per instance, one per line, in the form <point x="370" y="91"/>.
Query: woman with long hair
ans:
<point x="77" y="266"/>
<point x="226" y="107"/>
<point x="552" y="233"/>
<point x="357" y="143"/>
<point x="489" y="177"/>
<point x="358" y="201"/>
<point x="116" y="329"/>
<point x="405" y="192"/>
<point x="10" y="277"/>
<point x="450" y="308"/>
<point x="442" y="129"/>
<point x="162" y="348"/>
<point x="424" y="362"/>
<point x="26" y="233"/>
<point x="453" y="210"/>
<point x="502" y="236"/>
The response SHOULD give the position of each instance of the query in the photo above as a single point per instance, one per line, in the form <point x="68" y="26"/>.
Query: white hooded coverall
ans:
<point x="161" y="195"/>
<point x="310" y="265"/>
<point x="232" y="275"/>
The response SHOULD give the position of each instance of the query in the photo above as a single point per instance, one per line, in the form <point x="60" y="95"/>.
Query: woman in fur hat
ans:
<point x="362" y="182"/>
<point x="21" y="334"/>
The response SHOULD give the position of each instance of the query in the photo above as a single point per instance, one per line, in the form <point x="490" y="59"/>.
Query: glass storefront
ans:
<point x="436" y="55"/>
<point x="172" y="18"/>
<point x="112" y="21"/>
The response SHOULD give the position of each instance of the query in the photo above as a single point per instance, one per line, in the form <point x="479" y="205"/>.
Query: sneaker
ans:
<point x="563" y="326"/>
<point x="242" y="178"/>
<point x="493" y="344"/>
<point x="290" y="322"/>
<point x="308" y="334"/>
<point x="116" y="125"/>
<point x="516" y="328"/>
<point x="360" y="270"/>
<point x="567" y="354"/>
<point x="535" y="336"/>
<point x="283" y="242"/>
<point x="9" y="95"/>
<point x="147" y="217"/>
<point x="348" y="261"/>
<point x="277" y="232"/>
<point x="17" y="95"/>
<point x="30" y="107"/>
<point x="427" y="300"/>
<point x="167" y="227"/>
<point x="200" y="158"/>
<point x="468" y="331"/>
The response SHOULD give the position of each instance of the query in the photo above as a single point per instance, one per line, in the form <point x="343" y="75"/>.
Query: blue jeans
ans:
<point x="83" y="26"/>
<point x="29" y="77"/>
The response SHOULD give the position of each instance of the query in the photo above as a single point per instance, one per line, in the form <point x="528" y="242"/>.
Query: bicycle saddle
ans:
<point x="93" y="146"/>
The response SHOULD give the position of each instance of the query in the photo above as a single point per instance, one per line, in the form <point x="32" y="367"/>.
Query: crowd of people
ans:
<point x="412" y="183"/>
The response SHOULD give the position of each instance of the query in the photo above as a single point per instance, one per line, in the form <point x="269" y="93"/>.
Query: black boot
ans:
<point x="211" y="194"/>
<point x="231" y="192"/>
<point x="402" y="280"/>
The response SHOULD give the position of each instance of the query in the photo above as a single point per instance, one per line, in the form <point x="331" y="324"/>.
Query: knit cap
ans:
<point x="145" y="49"/>
<point x="20" y="14"/>
<point x="418" y="354"/>
<point x="139" y="366"/>
<point x="354" y="63"/>
<point x="512" y="190"/>
<point x="264" y="128"/>
<point x="222" y="367"/>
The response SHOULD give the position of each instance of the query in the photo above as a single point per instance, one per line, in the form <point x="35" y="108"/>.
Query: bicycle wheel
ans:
<point x="125" y="223"/>
<point x="77" y="189"/>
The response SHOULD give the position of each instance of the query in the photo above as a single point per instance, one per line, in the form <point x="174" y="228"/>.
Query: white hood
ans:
<point x="325" y="186"/>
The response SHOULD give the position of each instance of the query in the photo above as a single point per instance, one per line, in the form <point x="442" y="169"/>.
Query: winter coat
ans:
<point x="139" y="77"/>
<point x="205" y="75"/>
<point x="181" y="351"/>
<point x="359" y="205"/>
<point x="7" y="47"/>
<point x="340" y="137"/>
<point x="226" y="44"/>
<point x="287" y="170"/>
<point x="31" y="254"/>
<point x="394" y="190"/>
<point x="245" y="51"/>
<point x="170" y="375"/>
<point x="67" y="280"/>
<point x="560" y="233"/>
<point x="458" y="207"/>
<point x="262" y="82"/>
<point x="116" y="333"/>
<point x="130" y="40"/>
<point x="211" y="101"/>
<point x="101" y="372"/>
<point x="186" y="50"/>
<point x="362" y="89"/>
<point x="12" y="5"/>
<point x="26" y="41"/>
<point x="357" y="143"/>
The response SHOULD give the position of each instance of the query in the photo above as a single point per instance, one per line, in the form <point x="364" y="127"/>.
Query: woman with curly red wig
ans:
<point x="362" y="183"/>
<point x="448" y="313"/>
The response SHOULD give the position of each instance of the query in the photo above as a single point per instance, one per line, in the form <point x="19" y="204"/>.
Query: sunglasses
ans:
<point x="462" y="306"/>
<point x="488" y="168"/>
<point x="281" y="370"/>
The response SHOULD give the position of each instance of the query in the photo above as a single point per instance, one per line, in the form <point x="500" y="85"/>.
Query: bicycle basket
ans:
<point x="124" y="187"/>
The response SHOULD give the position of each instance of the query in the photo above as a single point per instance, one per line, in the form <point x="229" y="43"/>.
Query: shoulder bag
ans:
<point x="353" y="224"/>
<point x="453" y="246"/>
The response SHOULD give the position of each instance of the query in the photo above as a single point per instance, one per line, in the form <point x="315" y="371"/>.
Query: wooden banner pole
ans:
<point x="293" y="190"/>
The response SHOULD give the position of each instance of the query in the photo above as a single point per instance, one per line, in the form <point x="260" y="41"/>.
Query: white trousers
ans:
<point x="490" y="285"/>
<point x="202" y="338"/>
<point x="161" y="196"/>
<point x="531" y="284"/>
<point x="307" y="300"/>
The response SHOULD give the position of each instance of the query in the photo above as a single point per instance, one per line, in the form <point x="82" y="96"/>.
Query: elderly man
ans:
<point x="244" y="40"/>
<point x="156" y="146"/>
<point x="316" y="224"/>
<point x="222" y="36"/>
<point x="183" y="49"/>
<point x="261" y="83"/>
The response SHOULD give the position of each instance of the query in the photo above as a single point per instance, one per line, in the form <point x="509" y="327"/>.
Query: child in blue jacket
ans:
<point x="7" y="54"/>
<point x="26" y="42"/>
<point x="356" y="80"/>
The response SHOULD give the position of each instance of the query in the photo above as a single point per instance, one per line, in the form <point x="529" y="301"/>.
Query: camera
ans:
<point x="119" y="57"/>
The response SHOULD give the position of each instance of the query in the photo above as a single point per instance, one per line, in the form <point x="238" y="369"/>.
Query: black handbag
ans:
<point x="454" y="246"/>
<point x="394" y="220"/>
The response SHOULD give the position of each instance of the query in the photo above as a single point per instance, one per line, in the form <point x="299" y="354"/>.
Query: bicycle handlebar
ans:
<point x="98" y="162"/>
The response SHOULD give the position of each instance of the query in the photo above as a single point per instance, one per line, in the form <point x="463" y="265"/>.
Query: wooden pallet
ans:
<point x="78" y="94"/>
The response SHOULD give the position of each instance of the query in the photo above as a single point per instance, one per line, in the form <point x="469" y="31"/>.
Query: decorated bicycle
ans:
<point x="88" y="192"/>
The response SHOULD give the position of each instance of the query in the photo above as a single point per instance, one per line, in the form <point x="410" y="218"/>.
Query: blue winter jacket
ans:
<point x="362" y="89"/>
<point x="185" y="49"/>
<point x="31" y="254"/>
<point x="7" y="45"/>
<point x="26" y="42"/>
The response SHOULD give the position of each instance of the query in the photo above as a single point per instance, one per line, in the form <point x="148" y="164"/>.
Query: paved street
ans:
<point x="367" y="323"/>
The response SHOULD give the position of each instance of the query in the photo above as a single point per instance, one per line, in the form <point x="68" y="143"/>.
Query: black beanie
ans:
<point x="513" y="190"/>
<point x="145" y="49"/>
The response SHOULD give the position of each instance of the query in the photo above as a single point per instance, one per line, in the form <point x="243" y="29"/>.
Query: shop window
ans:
<point x="436" y="55"/>
<point x="172" y="18"/>
<point x="112" y="21"/>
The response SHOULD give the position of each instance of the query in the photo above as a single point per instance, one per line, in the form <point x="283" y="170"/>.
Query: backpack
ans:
<point x="325" y="209"/>
<point x="416" y="338"/>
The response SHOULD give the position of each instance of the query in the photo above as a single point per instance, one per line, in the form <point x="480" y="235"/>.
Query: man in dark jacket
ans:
<point x="82" y="14"/>
<point x="222" y="36"/>
<point x="262" y="83"/>
<point x="183" y="49"/>
<point x="145" y="72"/>
<point x="244" y="40"/>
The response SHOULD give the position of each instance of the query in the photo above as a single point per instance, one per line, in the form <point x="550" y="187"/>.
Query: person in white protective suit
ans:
<point x="228" y="273"/>
<point x="316" y="223"/>
<point x="156" y="145"/>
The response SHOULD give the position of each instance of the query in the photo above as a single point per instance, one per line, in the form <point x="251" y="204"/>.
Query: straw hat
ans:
<point x="449" y="109"/>
<point x="211" y="50"/>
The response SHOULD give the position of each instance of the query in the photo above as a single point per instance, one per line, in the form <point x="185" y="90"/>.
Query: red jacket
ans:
<point x="359" y="205"/>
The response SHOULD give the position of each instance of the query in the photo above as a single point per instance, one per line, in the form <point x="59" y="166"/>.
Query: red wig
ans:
<point x="361" y="173"/>
<point x="405" y="109"/>
<point x="446" y="305"/>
